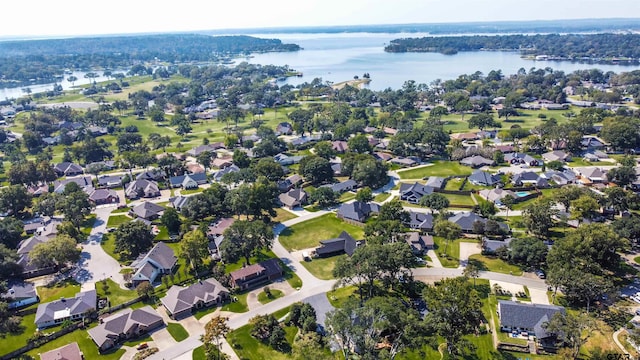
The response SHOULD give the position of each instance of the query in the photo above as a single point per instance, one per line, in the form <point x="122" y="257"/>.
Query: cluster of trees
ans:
<point x="566" y="46"/>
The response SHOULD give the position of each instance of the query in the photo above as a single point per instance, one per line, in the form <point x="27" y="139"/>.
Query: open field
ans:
<point x="309" y="233"/>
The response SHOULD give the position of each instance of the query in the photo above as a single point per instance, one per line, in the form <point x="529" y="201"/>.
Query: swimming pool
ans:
<point x="521" y="193"/>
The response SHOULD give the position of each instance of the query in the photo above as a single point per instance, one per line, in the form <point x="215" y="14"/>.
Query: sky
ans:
<point x="43" y="18"/>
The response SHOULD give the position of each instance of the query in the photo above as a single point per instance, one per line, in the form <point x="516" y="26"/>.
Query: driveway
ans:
<point x="162" y="339"/>
<point x="95" y="264"/>
<point x="467" y="249"/>
<point x="539" y="296"/>
<point x="321" y="305"/>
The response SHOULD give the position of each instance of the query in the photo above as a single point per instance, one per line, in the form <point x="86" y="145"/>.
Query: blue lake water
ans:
<point x="340" y="57"/>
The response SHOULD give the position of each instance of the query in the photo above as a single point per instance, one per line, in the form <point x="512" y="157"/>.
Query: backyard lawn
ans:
<point x="322" y="268"/>
<point x="177" y="331"/>
<point x="455" y="199"/>
<point x="309" y="233"/>
<point x="451" y="257"/>
<point x="381" y="197"/>
<point x="66" y="289"/>
<point x="346" y="196"/>
<point x="439" y="168"/>
<point x="115" y="293"/>
<point x="247" y="347"/>
<point x="117" y="220"/>
<point x="495" y="264"/>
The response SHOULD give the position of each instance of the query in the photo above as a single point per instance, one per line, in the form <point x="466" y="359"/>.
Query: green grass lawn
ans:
<point x="381" y="197"/>
<point x="495" y="264"/>
<point x="66" y="289"/>
<point x="637" y="259"/>
<point x="282" y="215"/>
<point x="464" y="200"/>
<point x="191" y="191"/>
<point x="338" y="296"/>
<point x="87" y="225"/>
<point x="288" y="274"/>
<point x="177" y="331"/>
<point x="439" y="168"/>
<point x="117" y="220"/>
<point x="248" y="347"/>
<point x="123" y="210"/>
<point x="454" y="184"/>
<point x="309" y="233"/>
<point x="346" y="196"/>
<point x="198" y="314"/>
<point x="115" y="293"/>
<point x="109" y="246"/>
<point x="87" y="346"/>
<point x="322" y="268"/>
<point x="199" y="353"/>
<point x="11" y="342"/>
<point x="450" y="258"/>
<point x="163" y="234"/>
<point x="263" y="298"/>
<point x="239" y="306"/>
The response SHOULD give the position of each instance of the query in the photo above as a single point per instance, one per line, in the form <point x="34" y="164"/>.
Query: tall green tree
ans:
<point x="573" y="330"/>
<point x="132" y="239"/>
<point x="59" y="251"/>
<point x="215" y="329"/>
<point x="75" y="206"/>
<point x="11" y="231"/>
<point x="14" y="199"/>
<point x="538" y="217"/>
<point x="455" y="310"/>
<point x="244" y="239"/>
<point x="194" y="248"/>
<point x="434" y="201"/>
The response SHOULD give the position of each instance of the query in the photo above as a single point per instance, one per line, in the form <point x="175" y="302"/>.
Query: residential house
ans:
<point x="142" y="189"/>
<point x="357" y="211"/>
<point x="97" y="130"/>
<point x="215" y="234"/>
<point x="124" y="325"/>
<point x="103" y="196"/>
<point x="466" y="219"/>
<point x="505" y="149"/>
<point x="343" y="244"/>
<point x="419" y="244"/>
<point x="68" y="169"/>
<point x="178" y="202"/>
<point x="341" y="187"/>
<point x="592" y="175"/>
<point x="30" y="270"/>
<point x="340" y="146"/>
<point x="529" y="178"/>
<point x="561" y="177"/>
<point x="188" y="181"/>
<point x="592" y="143"/>
<point x="420" y="221"/>
<point x="520" y="158"/>
<point x="476" y="161"/>
<point x="495" y="195"/>
<point x="84" y="182"/>
<point x="212" y="147"/>
<point x="109" y="181"/>
<point x="491" y="246"/>
<point x="389" y="131"/>
<point x="70" y="125"/>
<point x="151" y="175"/>
<point x="147" y="210"/>
<point x="382" y="156"/>
<point x="257" y="274"/>
<point x="180" y="301"/>
<point x="284" y="128"/>
<point x="289" y="183"/>
<point x="465" y="136"/>
<point x="435" y="182"/>
<point x="556" y="155"/>
<point x="30" y="226"/>
<point x="58" y="311"/>
<point x="293" y="198"/>
<point x="286" y="160"/>
<point x="414" y="192"/>
<point x="336" y="167"/>
<point x="194" y="168"/>
<point x="20" y="293"/>
<point x="403" y="161"/>
<point x="484" y="178"/>
<point x="38" y="189"/>
<point x="67" y="352"/>
<point x="222" y="162"/>
<point x="160" y="260"/>
<point x="517" y="317"/>
<point x="217" y="176"/>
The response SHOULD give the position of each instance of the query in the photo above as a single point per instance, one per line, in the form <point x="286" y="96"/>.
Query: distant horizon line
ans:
<point x="319" y="28"/>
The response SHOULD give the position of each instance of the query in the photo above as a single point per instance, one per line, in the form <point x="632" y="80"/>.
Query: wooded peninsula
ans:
<point x="575" y="47"/>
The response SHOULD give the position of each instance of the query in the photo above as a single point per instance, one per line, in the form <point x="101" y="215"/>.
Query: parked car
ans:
<point x="143" y="345"/>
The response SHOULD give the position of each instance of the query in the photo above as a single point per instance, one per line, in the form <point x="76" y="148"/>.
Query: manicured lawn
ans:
<point x="495" y="264"/>
<point x="11" y="342"/>
<point x="450" y="258"/>
<point x="87" y="346"/>
<point x="247" y="347"/>
<point x="163" y="234"/>
<point x="309" y="233"/>
<point x="381" y="197"/>
<point x="239" y="306"/>
<point x="66" y="289"/>
<point x="109" y="246"/>
<point x="117" y="220"/>
<point x="291" y="277"/>
<point x="263" y="298"/>
<point x="177" y="331"/>
<point x="439" y="168"/>
<point x="191" y="191"/>
<point x="637" y="259"/>
<point x="322" y="268"/>
<point x="282" y="215"/>
<point x="123" y="210"/>
<point x="338" y="296"/>
<point x="87" y="225"/>
<point x="454" y="184"/>
<point x="578" y="162"/>
<point x="115" y="293"/>
<point x="198" y="314"/>
<point x="346" y="196"/>
<point x="455" y="199"/>
<point x="199" y="354"/>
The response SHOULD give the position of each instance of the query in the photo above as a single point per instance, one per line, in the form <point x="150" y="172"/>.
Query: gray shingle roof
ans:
<point x="357" y="210"/>
<point x="82" y="302"/>
<point x="180" y="298"/>
<point x="526" y="316"/>
<point x="343" y="243"/>
<point x="123" y="322"/>
<point x="484" y="178"/>
<point x="147" y="210"/>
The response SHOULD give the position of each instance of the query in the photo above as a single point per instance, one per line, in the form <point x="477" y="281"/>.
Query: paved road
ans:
<point x="441" y="273"/>
<point x="95" y="264"/>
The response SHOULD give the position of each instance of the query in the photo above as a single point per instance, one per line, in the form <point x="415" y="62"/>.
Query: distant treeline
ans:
<point x="597" y="47"/>
<point x="42" y="60"/>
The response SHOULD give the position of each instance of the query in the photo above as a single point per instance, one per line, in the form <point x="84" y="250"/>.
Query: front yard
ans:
<point x="322" y="268"/>
<point x="449" y="255"/>
<point x="495" y="264"/>
<point x="309" y="233"/>
<point x="439" y="168"/>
